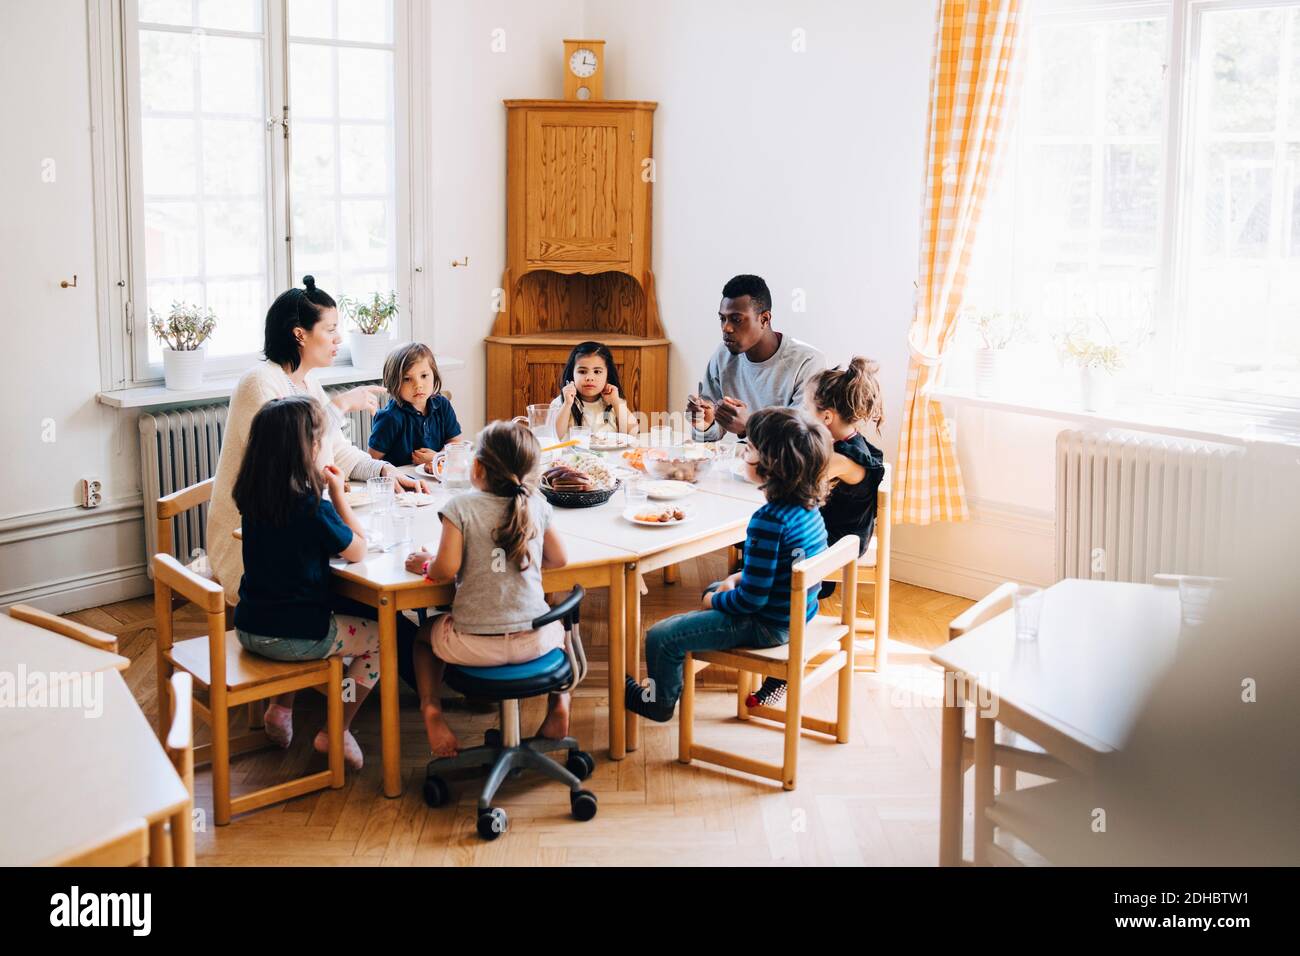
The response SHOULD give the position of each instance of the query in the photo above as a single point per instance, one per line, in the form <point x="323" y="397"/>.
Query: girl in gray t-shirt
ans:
<point x="495" y="542"/>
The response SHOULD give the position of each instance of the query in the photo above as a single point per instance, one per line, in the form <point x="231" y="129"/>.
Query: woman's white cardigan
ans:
<point x="259" y="385"/>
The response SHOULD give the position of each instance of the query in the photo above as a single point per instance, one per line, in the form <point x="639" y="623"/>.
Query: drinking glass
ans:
<point x="634" y="492"/>
<point x="1194" y="596"/>
<point x="581" y="434"/>
<point x="1028" y="603"/>
<point x="382" y="493"/>
<point x="400" y="522"/>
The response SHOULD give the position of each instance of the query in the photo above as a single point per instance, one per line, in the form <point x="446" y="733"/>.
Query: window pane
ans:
<point x="1243" y="288"/>
<point x="343" y="168"/>
<point x="204" y="172"/>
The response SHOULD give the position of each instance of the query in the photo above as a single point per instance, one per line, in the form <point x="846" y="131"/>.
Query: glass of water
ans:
<point x="382" y="493"/>
<point x="1028" y="603"/>
<point x="581" y="434"/>
<point x="634" y="492"/>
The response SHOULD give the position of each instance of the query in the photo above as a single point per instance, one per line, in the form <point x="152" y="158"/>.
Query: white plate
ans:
<point x="613" y="441"/>
<point x="630" y="514"/>
<point x="668" y="490"/>
<point x="415" y="499"/>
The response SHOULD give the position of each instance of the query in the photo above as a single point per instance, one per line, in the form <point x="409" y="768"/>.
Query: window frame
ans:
<point x="117" y="173"/>
<point x="1171" y="321"/>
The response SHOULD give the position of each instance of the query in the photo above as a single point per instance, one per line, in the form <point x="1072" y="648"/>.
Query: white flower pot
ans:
<point x="183" y="371"/>
<point x="988" y="365"/>
<point x="1096" y="389"/>
<point x="369" y="351"/>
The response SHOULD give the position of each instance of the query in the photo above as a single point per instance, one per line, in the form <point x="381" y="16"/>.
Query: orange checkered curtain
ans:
<point x="973" y="76"/>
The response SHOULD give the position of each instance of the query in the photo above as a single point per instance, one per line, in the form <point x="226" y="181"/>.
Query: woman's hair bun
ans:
<point x="309" y="282"/>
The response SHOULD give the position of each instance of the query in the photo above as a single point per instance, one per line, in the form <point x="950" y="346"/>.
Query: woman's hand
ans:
<point x="404" y="481"/>
<point x="415" y="562"/>
<point x="363" y="398"/>
<point x="610" y="394"/>
<point x="422" y="456"/>
<point x="569" y="393"/>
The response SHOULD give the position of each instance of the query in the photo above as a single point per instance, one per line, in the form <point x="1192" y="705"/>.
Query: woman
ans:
<point x="301" y="335"/>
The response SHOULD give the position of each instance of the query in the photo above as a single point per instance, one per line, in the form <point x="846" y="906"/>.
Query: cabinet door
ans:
<point x="579" y="187"/>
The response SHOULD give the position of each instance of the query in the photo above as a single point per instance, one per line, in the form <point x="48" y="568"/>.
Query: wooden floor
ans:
<point x="873" y="801"/>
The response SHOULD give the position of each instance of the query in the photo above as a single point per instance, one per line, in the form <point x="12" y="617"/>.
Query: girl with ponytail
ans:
<point x="496" y="539"/>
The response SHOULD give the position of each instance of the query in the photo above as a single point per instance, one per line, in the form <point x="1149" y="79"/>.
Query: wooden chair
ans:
<point x="100" y="640"/>
<point x="234" y="677"/>
<point x="127" y="846"/>
<point x="180" y="749"/>
<point x="873" y="569"/>
<point x="792" y="663"/>
<point x="1013" y="754"/>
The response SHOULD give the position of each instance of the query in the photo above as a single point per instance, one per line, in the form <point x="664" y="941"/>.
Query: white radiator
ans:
<point x="179" y="447"/>
<point x="1132" y="505"/>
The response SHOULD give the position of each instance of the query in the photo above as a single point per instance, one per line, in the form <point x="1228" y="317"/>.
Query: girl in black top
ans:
<point x="844" y="400"/>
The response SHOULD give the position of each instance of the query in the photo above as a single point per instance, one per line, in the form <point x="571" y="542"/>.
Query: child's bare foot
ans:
<point x="352" y="756"/>
<point x="442" y="740"/>
<point x="556" y="724"/>
<point x="278" y="725"/>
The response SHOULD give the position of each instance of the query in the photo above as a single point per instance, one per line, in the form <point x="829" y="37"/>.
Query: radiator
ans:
<point x="180" y="447"/>
<point x="1132" y="505"/>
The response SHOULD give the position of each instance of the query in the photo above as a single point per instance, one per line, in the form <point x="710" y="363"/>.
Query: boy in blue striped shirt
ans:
<point x="787" y="456"/>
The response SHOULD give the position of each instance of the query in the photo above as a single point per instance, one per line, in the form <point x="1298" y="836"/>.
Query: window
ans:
<point x="263" y="140"/>
<point x="1152" y="187"/>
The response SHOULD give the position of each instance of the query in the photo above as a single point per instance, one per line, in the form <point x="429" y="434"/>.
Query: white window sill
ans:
<point x="156" y="396"/>
<point x="1148" y="414"/>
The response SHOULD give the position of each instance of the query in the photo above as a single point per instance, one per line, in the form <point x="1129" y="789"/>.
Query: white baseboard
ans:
<point x="78" y="592"/>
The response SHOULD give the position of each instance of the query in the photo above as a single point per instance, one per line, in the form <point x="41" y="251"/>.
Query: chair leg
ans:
<point x="793" y="725"/>
<point x="672" y="574"/>
<point x="256" y="715"/>
<point x="220" y="756"/>
<point x="159" y="845"/>
<point x="844" y="693"/>
<point x="744" y="687"/>
<point x="334" y="719"/>
<point x="686" y="719"/>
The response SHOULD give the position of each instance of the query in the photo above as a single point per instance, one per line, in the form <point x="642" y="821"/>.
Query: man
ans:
<point x="755" y="366"/>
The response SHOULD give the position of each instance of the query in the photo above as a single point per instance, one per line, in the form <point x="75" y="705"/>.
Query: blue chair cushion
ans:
<point x="547" y="673"/>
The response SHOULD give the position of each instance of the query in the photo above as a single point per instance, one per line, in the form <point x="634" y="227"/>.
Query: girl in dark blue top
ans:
<point x="419" y="419"/>
<point x="787" y="456"/>
<point x="286" y="609"/>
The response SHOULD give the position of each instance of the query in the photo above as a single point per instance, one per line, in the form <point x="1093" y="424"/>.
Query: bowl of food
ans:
<point x="577" y="484"/>
<point x="678" y="463"/>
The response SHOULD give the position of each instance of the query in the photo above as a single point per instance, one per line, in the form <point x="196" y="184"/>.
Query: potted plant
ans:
<point x="183" y="335"/>
<point x="370" y="341"/>
<point x="997" y="331"/>
<point x="1097" y="358"/>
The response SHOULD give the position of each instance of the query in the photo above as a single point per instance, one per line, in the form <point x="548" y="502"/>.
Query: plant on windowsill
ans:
<point x="997" y="332"/>
<point x="184" y="335"/>
<point x="370" y="341"/>
<point x="1097" y="358"/>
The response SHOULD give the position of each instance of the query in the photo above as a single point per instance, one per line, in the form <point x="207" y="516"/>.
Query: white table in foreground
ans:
<point x="1076" y="691"/>
<point x="36" y="649"/>
<point x="72" y="779"/>
<point x="381" y="581"/>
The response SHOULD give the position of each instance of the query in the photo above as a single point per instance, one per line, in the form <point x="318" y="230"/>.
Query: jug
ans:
<point x="452" y="464"/>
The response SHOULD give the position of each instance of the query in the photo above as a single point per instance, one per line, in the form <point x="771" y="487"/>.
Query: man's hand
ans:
<point x="732" y="414"/>
<point x="700" y="411"/>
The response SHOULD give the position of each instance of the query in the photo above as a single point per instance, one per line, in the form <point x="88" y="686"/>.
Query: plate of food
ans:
<point x="652" y="516"/>
<point x="610" y="441"/>
<point x="415" y="499"/>
<point x="668" y="490"/>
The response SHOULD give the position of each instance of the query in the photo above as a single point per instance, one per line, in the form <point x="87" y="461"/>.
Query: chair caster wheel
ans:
<point x="436" y="791"/>
<point x="580" y="764"/>
<point x="492" y="737"/>
<point x="583" y="804"/>
<point x="492" y="822"/>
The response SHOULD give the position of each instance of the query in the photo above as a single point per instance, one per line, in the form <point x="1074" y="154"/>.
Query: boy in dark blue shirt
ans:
<point x="419" y="420"/>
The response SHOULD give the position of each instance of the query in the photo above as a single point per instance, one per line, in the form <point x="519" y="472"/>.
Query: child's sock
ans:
<point x="278" y="724"/>
<point x="352" y="756"/>
<point x="651" y="710"/>
<point x="772" y="692"/>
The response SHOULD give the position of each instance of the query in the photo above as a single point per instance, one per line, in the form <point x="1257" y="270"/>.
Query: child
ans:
<point x="495" y="542"/>
<point x="286" y="610"/>
<point x="591" y="393"/>
<point x="843" y="400"/>
<point x="419" y="420"/>
<point x="786" y="455"/>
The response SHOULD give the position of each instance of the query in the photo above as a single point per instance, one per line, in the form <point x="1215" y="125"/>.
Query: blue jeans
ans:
<point x="669" y="641"/>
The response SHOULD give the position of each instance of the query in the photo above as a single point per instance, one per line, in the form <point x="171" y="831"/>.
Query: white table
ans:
<point x="72" y="779"/>
<point x="1075" y="692"/>
<point x="36" y="649"/>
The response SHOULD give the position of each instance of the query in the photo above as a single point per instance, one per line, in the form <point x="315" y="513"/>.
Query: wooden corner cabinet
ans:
<point x="578" y="187"/>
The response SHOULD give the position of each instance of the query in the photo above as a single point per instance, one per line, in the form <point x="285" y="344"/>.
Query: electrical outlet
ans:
<point x="92" y="492"/>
